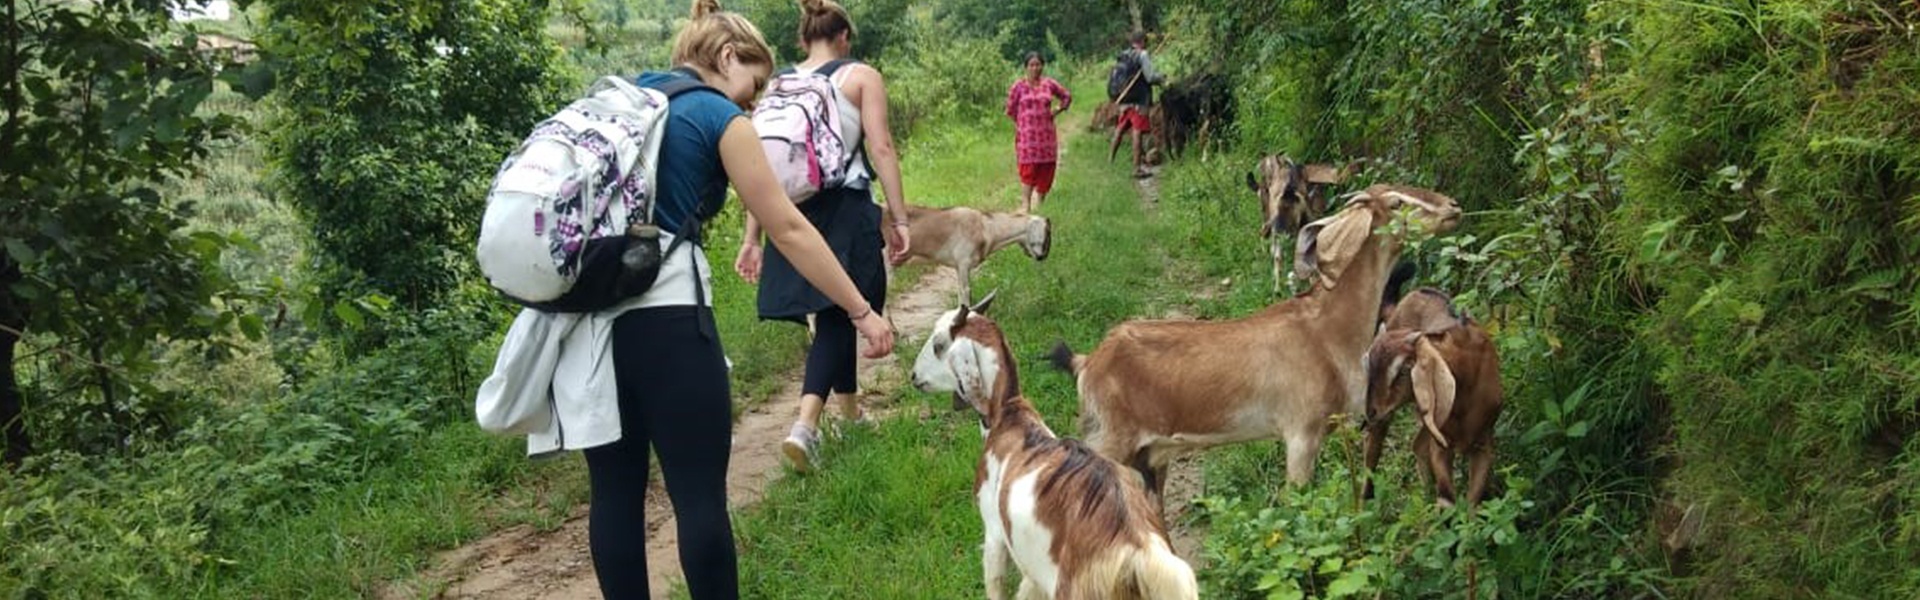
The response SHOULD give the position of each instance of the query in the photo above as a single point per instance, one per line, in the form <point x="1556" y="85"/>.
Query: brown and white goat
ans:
<point x="1291" y="194"/>
<point x="963" y="238"/>
<point x="1447" y="365"/>
<point x="1077" y="525"/>
<point x="1153" y="390"/>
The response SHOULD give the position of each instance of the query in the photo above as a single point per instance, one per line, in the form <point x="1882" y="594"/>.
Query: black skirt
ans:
<point x="850" y="222"/>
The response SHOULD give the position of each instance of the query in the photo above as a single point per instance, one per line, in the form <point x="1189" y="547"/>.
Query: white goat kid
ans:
<point x="963" y="238"/>
<point x="1153" y="390"/>
<point x="1078" y="526"/>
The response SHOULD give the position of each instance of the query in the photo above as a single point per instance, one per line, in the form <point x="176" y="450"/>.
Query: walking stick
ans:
<point x="1142" y="72"/>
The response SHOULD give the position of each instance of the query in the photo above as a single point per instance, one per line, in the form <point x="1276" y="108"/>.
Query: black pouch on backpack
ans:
<point x="606" y="277"/>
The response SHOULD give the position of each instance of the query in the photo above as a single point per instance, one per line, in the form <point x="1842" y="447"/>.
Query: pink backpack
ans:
<point x="799" y="124"/>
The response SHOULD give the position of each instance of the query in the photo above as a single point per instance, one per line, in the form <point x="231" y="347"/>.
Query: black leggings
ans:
<point x="674" y="396"/>
<point x="830" y="361"/>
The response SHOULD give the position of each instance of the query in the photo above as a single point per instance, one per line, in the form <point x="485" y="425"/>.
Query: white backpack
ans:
<point x="560" y="211"/>
<point x="799" y="124"/>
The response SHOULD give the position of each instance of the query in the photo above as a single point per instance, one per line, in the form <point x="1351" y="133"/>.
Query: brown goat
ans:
<point x="1447" y="365"/>
<point x="1155" y="389"/>
<point x="1077" y="525"/>
<point x="963" y="238"/>
<point x="1291" y="194"/>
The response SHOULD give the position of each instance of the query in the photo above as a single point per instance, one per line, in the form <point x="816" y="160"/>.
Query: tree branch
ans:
<point x="67" y="354"/>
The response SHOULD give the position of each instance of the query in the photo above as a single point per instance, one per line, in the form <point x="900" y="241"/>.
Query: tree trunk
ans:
<point x="1133" y="10"/>
<point x="13" y="319"/>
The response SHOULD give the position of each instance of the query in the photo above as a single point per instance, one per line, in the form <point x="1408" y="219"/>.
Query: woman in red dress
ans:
<point x="1037" y="145"/>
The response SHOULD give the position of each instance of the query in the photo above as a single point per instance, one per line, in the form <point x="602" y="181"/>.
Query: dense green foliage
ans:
<point x="1693" y="228"/>
<point x="1056" y="28"/>
<point x="879" y="25"/>
<point x="168" y="520"/>
<point x="1774" y="206"/>
<point x="392" y="116"/>
<point x="100" y="110"/>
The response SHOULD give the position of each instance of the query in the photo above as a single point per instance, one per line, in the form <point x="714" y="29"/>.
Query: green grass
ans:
<point x="459" y="485"/>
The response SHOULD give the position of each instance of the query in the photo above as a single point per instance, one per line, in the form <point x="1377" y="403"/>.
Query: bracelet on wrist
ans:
<point x="862" y="315"/>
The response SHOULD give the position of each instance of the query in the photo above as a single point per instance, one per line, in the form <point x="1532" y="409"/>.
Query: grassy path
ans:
<point x="891" y="516"/>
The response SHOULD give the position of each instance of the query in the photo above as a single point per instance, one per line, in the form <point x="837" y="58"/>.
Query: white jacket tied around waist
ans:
<point x="553" y="380"/>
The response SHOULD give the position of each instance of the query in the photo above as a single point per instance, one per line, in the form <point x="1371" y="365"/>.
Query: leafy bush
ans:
<point x="137" y="526"/>
<point x="392" y="118"/>
<point x="938" y="74"/>
<point x="1319" y="542"/>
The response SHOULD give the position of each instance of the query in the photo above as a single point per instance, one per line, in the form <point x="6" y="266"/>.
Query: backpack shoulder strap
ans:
<point x="826" y="70"/>
<point x="686" y="82"/>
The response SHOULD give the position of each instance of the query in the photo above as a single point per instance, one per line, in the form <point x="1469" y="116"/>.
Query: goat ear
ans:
<point x="1352" y="166"/>
<point x="960" y="317"/>
<point x="1306" y="259"/>
<point x="1252" y="183"/>
<point x="1332" y="245"/>
<point x="1323" y="173"/>
<point x="1433" y="387"/>
<point x="985" y="303"/>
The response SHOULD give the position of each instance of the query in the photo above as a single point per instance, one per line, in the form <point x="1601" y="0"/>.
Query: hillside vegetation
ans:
<point x="1693" y="225"/>
<point x="241" y="327"/>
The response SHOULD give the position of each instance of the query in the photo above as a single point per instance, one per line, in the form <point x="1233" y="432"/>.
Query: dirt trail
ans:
<point x="520" y="562"/>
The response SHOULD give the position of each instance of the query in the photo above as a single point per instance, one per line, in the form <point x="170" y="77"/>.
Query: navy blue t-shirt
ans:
<point x="692" y="181"/>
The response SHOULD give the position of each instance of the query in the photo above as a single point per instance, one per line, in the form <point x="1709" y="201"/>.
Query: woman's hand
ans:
<point x="899" y="240"/>
<point x="878" y="332"/>
<point x="747" y="263"/>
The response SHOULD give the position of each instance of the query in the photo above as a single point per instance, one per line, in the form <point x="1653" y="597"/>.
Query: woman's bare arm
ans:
<point x="746" y="165"/>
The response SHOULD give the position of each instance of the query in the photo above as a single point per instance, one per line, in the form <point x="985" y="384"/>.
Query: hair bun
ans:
<point x="702" y="8"/>
<point x="812" y="6"/>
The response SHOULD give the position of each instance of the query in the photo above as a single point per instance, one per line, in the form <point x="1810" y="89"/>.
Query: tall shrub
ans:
<point x="100" y="108"/>
<point x="393" y="116"/>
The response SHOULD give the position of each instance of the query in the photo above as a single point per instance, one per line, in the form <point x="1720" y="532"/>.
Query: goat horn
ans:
<point x="986" y="302"/>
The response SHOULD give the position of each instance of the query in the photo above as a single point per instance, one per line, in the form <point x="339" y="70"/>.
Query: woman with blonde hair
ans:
<point x="846" y="216"/>
<point x="673" y="394"/>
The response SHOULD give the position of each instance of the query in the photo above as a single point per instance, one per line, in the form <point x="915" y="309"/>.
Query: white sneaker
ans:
<point x="801" y="447"/>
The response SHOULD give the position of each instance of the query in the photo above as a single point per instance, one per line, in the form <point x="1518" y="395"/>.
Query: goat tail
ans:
<point x="1064" y="359"/>
<point x="1160" y="574"/>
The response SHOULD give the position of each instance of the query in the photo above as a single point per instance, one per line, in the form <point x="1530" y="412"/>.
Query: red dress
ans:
<point x="1030" y="105"/>
<point x="1035" y="141"/>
